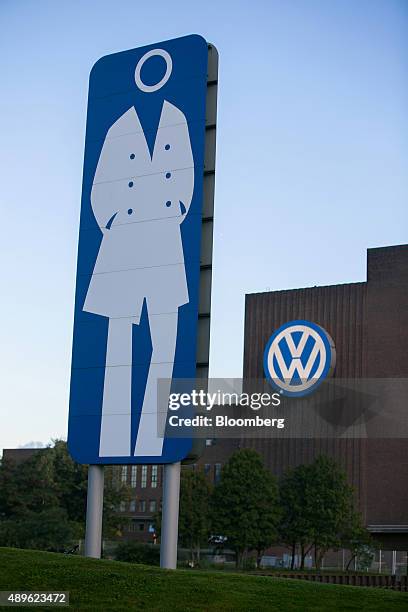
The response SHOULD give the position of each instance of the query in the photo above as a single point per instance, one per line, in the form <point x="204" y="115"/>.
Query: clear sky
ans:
<point x="312" y="160"/>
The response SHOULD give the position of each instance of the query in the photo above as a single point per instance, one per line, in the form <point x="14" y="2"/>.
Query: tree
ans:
<point x="33" y="492"/>
<point x="194" y="518"/>
<point x="194" y="512"/>
<point x="49" y="529"/>
<point x="115" y="492"/>
<point x="70" y="486"/>
<point x="295" y="527"/>
<point x="329" y="503"/>
<point x="358" y="540"/>
<point x="27" y="487"/>
<point x="318" y="510"/>
<point x="70" y="481"/>
<point x="245" y="504"/>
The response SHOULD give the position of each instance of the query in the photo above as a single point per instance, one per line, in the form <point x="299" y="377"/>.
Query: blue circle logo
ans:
<point x="298" y="357"/>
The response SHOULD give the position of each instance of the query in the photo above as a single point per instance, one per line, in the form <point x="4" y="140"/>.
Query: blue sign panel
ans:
<point x="136" y="304"/>
<point x="298" y="357"/>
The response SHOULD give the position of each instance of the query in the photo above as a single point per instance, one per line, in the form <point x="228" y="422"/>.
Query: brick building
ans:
<point x="368" y="322"/>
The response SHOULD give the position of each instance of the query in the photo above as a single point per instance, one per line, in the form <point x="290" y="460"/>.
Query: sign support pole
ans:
<point x="94" y="511"/>
<point x="170" y="510"/>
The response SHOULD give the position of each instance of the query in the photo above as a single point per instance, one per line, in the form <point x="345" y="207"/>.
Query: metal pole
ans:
<point x="94" y="510"/>
<point x="169" y="528"/>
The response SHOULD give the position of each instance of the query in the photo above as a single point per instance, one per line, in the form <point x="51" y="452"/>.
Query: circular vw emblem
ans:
<point x="298" y="357"/>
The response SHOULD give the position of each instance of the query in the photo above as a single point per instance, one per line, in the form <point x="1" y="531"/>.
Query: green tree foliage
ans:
<point x="194" y="512"/>
<point x="318" y="510"/>
<point x="70" y="480"/>
<point x="245" y="505"/>
<point x="27" y="487"/>
<point x="194" y="519"/>
<point x="47" y="492"/>
<point x="48" y="529"/>
<point x="295" y="528"/>
<point x="330" y="501"/>
<point x="356" y="539"/>
<point x="115" y="492"/>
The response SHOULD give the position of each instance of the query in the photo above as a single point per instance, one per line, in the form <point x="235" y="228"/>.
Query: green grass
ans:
<point x="111" y="585"/>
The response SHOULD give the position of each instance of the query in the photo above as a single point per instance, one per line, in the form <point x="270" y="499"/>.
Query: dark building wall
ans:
<point x="145" y="485"/>
<point x="369" y="325"/>
<point x="19" y="455"/>
<point x="386" y="357"/>
<point x="387" y="313"/>
<point x="340" y="310"/>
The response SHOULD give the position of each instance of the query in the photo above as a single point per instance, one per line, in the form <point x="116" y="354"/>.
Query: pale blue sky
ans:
<point x="311" y="166"/>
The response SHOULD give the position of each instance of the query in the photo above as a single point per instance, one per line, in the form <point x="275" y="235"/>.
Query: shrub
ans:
<point x="47" y="530"/>
<point x="136" y="552"/>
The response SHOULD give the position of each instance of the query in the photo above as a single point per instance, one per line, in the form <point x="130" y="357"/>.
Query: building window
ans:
<point x="217" y="472"/>
<point x="208" y="442"/>
<point x="143" y="482"/>
<point x="122" y="506"/>
<point x="154" y="476"/>
<point x="152" y="505"/>
<point x="134" y="526"/>
<point x="207" y="468"/>
<point x="124" y="474"/>
<point x="132" y="506"/>
<point x="142" y="505"/>
<point x="133" y="476"/>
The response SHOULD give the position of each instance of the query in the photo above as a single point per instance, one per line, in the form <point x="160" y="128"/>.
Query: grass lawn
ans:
<point x="111" y="585"/>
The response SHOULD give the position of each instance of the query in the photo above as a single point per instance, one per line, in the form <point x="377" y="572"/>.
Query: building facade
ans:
<point x="368" y="322"/>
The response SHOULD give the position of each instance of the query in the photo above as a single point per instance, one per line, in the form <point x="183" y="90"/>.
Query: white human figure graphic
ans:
<point x="139" y="202"/>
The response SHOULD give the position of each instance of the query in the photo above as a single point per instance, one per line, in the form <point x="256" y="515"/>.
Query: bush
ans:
<point x="48" y="530"/>
<point x="135" y="552"/>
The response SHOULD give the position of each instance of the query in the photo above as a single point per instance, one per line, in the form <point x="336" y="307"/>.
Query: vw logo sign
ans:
<point x="298" y="357"/>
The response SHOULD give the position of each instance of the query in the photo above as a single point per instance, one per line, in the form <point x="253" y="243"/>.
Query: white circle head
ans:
<point x="169" y="67"/>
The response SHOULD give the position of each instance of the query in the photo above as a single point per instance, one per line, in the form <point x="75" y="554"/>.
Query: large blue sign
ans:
<point x="136" y="304"/>
<point x="298" y="357"/>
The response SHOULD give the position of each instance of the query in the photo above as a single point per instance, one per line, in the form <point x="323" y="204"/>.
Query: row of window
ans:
<point x="139" y="505"/>
<point x="135" y="526"/>
<point x="140" y="471"/>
